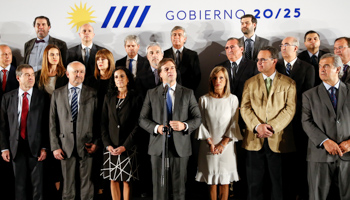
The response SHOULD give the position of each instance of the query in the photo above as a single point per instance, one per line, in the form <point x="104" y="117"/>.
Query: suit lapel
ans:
<point x="341" y="97"/>
<point x="14" y="102"/>
<point x="114" y="108"/>
<point x="178" y="98"/>
<point x="65" y="99"/>
<point x="325" y="99"/>
<point x="80" y="56"/>
<point x="275" y="82"/>
<point x="262" y="83"/>
<point x="161" y="100"/>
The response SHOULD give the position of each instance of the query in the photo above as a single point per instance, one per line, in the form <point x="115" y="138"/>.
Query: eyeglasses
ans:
<point x="263" y="60"/>
<point x="340" y="48"/>
<point x="231" y="47"/>
<point x="286" y="45"/>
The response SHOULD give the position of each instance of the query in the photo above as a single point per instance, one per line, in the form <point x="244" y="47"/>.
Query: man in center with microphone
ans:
<point x="183" y="116"/>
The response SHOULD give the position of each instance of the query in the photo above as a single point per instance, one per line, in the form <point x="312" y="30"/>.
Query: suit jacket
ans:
<point x="11" y="82"/>
<point x="304" y="56"/>
<point x="74" y="54"/>
<point x="60" y="81"/>
<point x="119" y="127"/>
<point x="246" y="70"/>
<point x="277" y="109"/>
<point x="61" y="123"/>
<point x="258" y="44"/>
<point x="185" y="110"/>
<point x="36" y="123"/>
<point x="189" y="67"/>
<point x="146" y="80"/>
<point x="320" y="121"/>
<point x="141" y="62"/>
<point x="28" y="47"/>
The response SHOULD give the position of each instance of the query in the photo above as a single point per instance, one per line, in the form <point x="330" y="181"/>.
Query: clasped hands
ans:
<point x="264" y="131"/>
<point x="334" y="149"/>
<point x="217" y="148"/>
<point x="116" y="151"/>
<point x="175" y="125"/>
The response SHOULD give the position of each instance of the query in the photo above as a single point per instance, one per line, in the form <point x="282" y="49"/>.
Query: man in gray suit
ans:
<point x="252" y="42"/>
<point x="73" y="132"/>
<point x="184" y="117"/>
<point x="325" y="119"/>
<point x="342" y="49"/>
<point x="34" y="48"/>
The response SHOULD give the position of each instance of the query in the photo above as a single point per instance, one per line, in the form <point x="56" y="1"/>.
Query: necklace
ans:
<point x="120" y="101"/>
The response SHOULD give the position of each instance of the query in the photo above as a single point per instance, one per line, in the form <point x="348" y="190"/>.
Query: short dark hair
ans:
<point x="113" y="89"/>
<point x="254" y="20"/>
<point x="345" y="38"/>
<point x="273" y="51"/>
<point x="240" y="42"/>
<point x="42" y="17"/>
<point x="163" y="62"/>
<point x="20" y="67"/>
<point x="310" y="32"/>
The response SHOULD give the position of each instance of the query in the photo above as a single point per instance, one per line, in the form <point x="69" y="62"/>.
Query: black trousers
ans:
<point x="259" y="161"/>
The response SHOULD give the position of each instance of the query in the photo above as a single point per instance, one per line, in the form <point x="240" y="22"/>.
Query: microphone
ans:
<point x="167" y="86"/>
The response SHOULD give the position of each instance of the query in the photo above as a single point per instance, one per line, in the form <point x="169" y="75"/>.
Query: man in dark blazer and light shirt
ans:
<point x="325" y="119"/>
<point x="184" y="117"/>
<point x="22" y="132"/>
<point x="73" y="131"/>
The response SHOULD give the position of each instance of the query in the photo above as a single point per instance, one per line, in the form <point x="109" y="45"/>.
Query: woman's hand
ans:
<point x="219" y="148"/>
<point x="120" y="150"/>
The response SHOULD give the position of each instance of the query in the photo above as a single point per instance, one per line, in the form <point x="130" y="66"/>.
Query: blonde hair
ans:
<point x="45" y="66"/>
<point x="105" y="54"/>
<point x="227" y="90"/>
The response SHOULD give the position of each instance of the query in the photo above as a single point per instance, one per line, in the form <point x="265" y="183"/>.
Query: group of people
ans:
<point x="72" y="117"/>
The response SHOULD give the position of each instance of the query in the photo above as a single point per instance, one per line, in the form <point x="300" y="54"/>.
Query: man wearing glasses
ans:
<point x="341" y="48"/>
<point x="268" y="107"/>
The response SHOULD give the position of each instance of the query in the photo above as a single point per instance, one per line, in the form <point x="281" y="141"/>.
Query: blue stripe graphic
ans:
<point x="143" y="16"/>
<point x="108" y="17"/>
<point x="131" y="17"/>
<point x="120" y="17"/>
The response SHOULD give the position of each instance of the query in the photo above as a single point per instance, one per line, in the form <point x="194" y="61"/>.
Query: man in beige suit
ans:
<point x="268" y="106"/>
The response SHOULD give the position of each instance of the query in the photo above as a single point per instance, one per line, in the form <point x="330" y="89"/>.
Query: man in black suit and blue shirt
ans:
<point x="22" y="133"/>
<point x="86" y="51"/>
<point x="325" y="119"/>
<point x="132" y="61"/>
<point x="34" y="48"/>
<point x="252" y="42"/>
<point x="187" y="61"/>
<point x="184" y="117"/>
<point x="312" y="54"/>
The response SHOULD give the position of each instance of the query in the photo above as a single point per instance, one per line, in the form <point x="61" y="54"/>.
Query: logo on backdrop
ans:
<point x="80" y="16"/>
<point x="130" y="18"/>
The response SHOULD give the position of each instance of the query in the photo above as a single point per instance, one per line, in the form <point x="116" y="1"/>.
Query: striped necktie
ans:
<point x="74" y="104"/>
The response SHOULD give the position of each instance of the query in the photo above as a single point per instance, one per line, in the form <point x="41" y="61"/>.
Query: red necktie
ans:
<point x="4" y="79"/>
<point x="25" y="108"/>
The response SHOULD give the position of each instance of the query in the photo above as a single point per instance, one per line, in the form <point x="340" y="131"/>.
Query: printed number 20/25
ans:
<point x="268" y="13"/>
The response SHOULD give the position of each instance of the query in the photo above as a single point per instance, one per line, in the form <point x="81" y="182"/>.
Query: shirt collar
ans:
<point x="329" y="86"/>
<point x="348" y="63"/>
<point x="83" y="46"/>
<point x="20" y="92"/>
<point x="7" y="68"/>
<point x="291" y="62"/>
<point x="70" y="86"/>
<point x="252" y="38"/>
<point x="181" y="49"/>
<point x="271" y="77"/>
<point x="310" y="54"/>
<point x="173" y="87"/>
<point x="134" y="58"/>
<point x="152" y="68"/>
<point x="237" y="61"/>
<point x="46" y="39"/>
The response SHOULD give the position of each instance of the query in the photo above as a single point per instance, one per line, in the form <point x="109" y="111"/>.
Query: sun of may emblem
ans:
<point x="81" y="15"/>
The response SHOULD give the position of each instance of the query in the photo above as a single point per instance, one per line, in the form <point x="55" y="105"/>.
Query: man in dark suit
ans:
<point x="325" y="119"/>
<point x="303" y="74"/>
<point x="252" y="42"/>
<point x="132" y="61"/>
<point x="22" y="133"/>
<point x="8" y="79"/>
<point x="184" y="117"/>
<point x="342" y="49"/>
<point x="34" y="48"/>
<point x="312" y="54"/>
<point x="73" y="131"/>
<point x="187" y="61"/>
<point x="86" y="51"/>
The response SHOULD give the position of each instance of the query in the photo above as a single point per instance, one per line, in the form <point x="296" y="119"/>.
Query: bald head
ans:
<point x="5" y="56"/>
<point x="86" y="34"/>
<point x="75" y="73"/>
<point x="289" y="48"/>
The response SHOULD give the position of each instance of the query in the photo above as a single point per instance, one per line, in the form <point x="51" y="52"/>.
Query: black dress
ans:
<point x="119" y="127"/>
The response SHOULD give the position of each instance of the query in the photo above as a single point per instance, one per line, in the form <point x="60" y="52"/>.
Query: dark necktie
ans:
<point x="248" y="50"/>
<point x="87" y="55"/>
<point x="74" y="104"/>
<point x="288" y="66"/>
<point x="177" y="61"/>
<point x="156" y="77"/>
<point x="4" y="79"/>
<point x="268" y="85"/>
<point x="130" y="64"/>
<point x="314" y="61"/>
<point x="39" y="41"/>
<point x="24" y="114"/>
<point x="333" y="98"/>
<point x="169" y="106"/>
<point x="345" y="74"/>
<point x="233" y="70"/>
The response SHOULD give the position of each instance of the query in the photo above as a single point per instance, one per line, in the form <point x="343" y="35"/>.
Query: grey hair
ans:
<point x="69" y="67"/>
<point x="336" y="62"/>
<point x="240" y="42"/>
<point x="154" y="44"/>
<point x="178" y="28"/>
<point x="295" y="41"/>
<point x="20" y="67"/>
<point x="134" y="38"/>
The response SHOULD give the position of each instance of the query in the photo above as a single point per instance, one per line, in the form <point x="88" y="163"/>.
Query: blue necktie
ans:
<point x="288" y="68"/>
<point x="74" y="104"/>
<point x="169" y="106"/>
<point x="130" y="64"/>
<point x="333" y="98"/>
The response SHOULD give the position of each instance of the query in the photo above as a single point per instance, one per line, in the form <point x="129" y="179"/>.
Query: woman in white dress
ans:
<point x="219" y="131"/>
